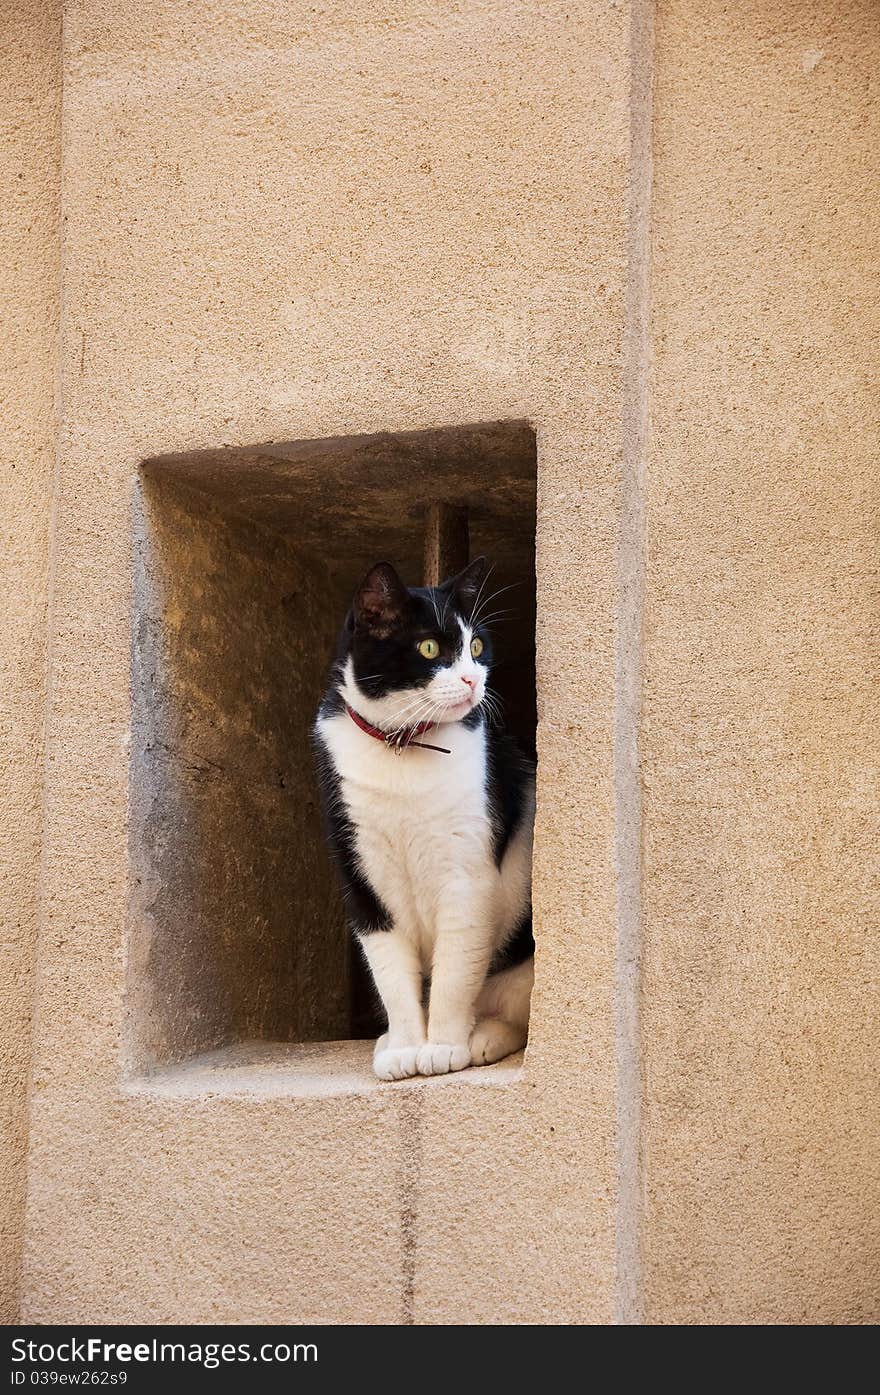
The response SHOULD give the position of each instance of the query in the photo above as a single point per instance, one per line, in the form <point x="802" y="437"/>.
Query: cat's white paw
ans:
<point x="438" y="1058"/>
<point x="394" y="1062"/>
<point x="492" y="1039"/>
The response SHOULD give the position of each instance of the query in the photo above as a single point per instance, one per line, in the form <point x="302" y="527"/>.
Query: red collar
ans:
<point x="398" y="740"/>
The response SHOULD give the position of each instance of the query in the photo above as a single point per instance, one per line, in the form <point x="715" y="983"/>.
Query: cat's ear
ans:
<point x="380" y="601"/>
<point x="466" y="586"/>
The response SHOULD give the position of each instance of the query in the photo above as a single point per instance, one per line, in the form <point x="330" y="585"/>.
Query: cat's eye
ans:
<point x="476" y="647"/>
<point x="429" y="648"/>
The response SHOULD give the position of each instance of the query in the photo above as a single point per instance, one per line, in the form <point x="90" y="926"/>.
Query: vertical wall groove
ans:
<point x="30" y="116"/>
<point x="627" y="778"/>
<point x="49" y="637"/>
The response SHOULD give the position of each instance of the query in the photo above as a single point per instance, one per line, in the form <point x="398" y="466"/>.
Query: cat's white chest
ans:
<point x="419" y="818"/>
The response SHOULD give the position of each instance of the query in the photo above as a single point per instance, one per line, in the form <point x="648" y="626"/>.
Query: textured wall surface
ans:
<point x="235" y="929"/>
<point x="30" y="103"/>
<point x="284" y="224"/>
<point x="760" y="750"/>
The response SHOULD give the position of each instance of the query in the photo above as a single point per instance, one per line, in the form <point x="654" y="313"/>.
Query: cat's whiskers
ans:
<point x="489" y="570"/>
<point x="445" y="607"/>
<point x="416" y="701"/>
<point x="410" y="715"/>
<point x="494" y="705"/>
<point x="434" y="712"/>
<point x="485" y="621"/>
<point x="418" y="712"/>
<point x="405" y="735"/>
<point x="475" y="619"/>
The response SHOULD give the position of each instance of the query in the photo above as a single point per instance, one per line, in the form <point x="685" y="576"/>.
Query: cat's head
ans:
<point x="419" y="654"/>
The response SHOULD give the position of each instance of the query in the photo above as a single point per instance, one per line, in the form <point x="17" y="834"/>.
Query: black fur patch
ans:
<point x="366" y="912"/>
<point x="508" y="773"/>
<point x="519" y="947"/>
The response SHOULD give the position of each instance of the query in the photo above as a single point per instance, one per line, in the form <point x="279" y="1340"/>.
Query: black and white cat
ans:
<point x="429" y="809"/>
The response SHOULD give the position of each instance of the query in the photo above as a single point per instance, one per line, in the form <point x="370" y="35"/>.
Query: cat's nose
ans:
<point x="471" y="682"/>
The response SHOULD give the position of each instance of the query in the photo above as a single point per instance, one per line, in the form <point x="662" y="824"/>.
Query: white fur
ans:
<point x="425" y="845"/>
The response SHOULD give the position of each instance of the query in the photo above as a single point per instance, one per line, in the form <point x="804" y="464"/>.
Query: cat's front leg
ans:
<point x="397" y="974"/>
<point x="461" y="960"/>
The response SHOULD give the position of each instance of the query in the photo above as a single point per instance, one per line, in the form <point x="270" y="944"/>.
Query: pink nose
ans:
<point x="471" y="682"/>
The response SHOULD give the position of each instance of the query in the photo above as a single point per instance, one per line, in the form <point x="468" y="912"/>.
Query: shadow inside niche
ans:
<point x="246" y="560"/>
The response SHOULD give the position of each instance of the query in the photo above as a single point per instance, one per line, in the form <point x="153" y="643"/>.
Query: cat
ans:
<point x="429" y="811"/>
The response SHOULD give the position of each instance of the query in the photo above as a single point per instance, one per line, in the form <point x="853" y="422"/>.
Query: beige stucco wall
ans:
<point x="282" y="225"/>
<point x="30" y="95"/>
<point x="760" y="737"/>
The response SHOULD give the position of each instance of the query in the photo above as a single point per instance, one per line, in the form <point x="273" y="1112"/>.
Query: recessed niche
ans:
<point x="245" y="562"/>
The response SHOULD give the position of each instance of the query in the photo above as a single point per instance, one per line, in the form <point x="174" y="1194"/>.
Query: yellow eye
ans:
<point x="429" y="648"/>
<point x="476" y="647"/>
